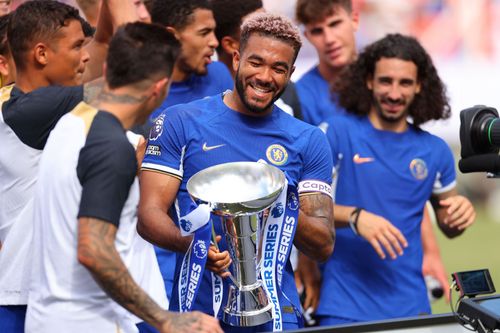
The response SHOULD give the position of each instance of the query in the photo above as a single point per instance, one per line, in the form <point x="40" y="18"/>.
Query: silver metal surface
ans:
<point x="240" y="192"/>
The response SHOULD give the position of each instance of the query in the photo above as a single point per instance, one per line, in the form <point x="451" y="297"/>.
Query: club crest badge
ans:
<point x="418" y="169"/>
<point x="277" y="154"/>
<point x="277" y="211"/>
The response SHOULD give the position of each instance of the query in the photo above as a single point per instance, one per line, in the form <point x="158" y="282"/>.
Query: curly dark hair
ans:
<point x="430" y="103"/>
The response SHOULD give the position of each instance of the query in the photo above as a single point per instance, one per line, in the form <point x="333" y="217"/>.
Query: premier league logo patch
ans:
<point x="418" y="169"/>
<point x="293" y="202"/>
<point x="200" y="250"/>
<point x="185" y="225"/>
<point x="277" y="154"/>
<point x="157" y="128"/>
<point x="277" y="211"/>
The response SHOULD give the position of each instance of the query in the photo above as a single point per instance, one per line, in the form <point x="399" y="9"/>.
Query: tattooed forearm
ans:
<point x="97" y="252"/>
<point x="91" y="90"/>
<point x="315" y="231"/>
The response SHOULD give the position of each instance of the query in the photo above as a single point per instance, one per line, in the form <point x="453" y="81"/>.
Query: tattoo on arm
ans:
<point x="97" y="252"/>
<point x="316" y="205"/>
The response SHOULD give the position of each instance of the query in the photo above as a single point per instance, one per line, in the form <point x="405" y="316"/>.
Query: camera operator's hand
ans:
<point x="381" y="234"/>
<point x="460" y="213"/>
<point x="218" y="262"/>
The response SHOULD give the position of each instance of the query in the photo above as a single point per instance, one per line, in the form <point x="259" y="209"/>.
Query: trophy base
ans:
<point x="253" y="307"/>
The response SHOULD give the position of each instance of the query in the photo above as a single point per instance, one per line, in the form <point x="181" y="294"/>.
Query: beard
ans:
<point x="240" y="89"/>
<point x="391" y="118"/>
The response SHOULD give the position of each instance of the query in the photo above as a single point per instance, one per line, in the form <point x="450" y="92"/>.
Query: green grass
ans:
<point x="477" y="248"/>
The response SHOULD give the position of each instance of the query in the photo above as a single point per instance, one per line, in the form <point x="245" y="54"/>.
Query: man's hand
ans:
<point x="433" y="265"/>
<point x="460" y="213"/>
<point x="381" y="234"/>
<point x="218" y="262"/>
<point x="188" y="322"/>
<point x="310" y="278"/>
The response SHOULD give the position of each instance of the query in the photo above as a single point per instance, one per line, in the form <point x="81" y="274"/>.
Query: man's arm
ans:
<point x="379" y="232"/>
<point x="97" y="252"/>
<point x="454" y="212"/>
<point x="315" y="233"/>
<point x="90" y="9"/>
<point x="113" y="13"/>
<point x="432" y="263"/>
<point x="158" y="192"/>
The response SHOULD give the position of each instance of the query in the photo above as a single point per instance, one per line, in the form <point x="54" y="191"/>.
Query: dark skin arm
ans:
<point x="158" y="192"/>
<point x="454" y="212"/>
<point x="97" y="252"/>
<point x="315" y="233"/>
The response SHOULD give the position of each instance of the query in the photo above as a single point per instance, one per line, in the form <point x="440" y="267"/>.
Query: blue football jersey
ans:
<point x="191" y="137"/>
<point x="317" y="101"/>
<point x="216" y="81"/>
<point x="392" y="175"/>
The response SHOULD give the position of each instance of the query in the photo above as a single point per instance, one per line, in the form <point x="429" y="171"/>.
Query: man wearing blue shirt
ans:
<point x="241" y="125"/>
<point x="387" y="169"/>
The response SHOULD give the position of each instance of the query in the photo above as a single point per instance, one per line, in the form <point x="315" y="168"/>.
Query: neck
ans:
<point x="234" y="102"/>
<point x="123" y="103"/>
<point x="329" y="73"/>
<point x="379" y="123"/>
<point x="178" y="75"/>
<point x="28" y="81"/>
<point x="227" y="60"/>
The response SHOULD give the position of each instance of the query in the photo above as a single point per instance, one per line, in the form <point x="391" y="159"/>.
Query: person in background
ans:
<point x="7" y="67"/>
<point x="330" y="26"/>
<point x="386" y="169"/>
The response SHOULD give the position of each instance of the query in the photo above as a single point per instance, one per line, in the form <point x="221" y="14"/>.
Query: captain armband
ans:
<point x="315" y="186"/>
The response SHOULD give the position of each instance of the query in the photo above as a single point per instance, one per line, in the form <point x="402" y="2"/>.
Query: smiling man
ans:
<point x="240" y="125"/>
<point x="387" y="168"/>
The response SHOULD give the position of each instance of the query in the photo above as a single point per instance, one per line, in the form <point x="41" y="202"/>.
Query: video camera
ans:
<point x="482" y="314"/>
<point x="480" y="140"/>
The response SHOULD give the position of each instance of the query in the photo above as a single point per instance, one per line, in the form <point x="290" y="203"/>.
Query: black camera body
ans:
<point x="480" y="140"/>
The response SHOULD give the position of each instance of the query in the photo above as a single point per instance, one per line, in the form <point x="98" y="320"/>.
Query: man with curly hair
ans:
<point x="387" y="167"/>
<point x="241" y="125"/>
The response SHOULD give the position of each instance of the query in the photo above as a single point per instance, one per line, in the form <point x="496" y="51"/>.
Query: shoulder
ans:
<point x="219" y="71"/>
<point x="341" y="122"/>
<point x="309" y="77"/>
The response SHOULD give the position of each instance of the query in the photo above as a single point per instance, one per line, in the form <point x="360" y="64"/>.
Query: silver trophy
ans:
<point x="240" y="192"/>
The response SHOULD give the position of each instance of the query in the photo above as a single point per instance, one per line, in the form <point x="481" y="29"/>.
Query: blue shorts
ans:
<point x="12" y="318"/>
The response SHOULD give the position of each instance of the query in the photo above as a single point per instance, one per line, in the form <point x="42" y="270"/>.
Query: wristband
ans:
<point x="353" y="220"/>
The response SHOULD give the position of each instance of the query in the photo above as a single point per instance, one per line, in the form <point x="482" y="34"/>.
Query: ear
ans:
<point x="4" y="66"/>
<point x="160" y="86"/>
<point x="41" y="54"/>
<point x="236" y="60"/>
<point x="291" y="71"/>
<point x="355" y="20"/>
<point x="229" y="44"/>
<point x="369" y="83"/>
<point x="418" y="88"/>
<point x="104" y="69"/>
<point x="174" y="32"/>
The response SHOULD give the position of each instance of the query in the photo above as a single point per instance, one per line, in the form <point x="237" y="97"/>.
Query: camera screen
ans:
<point x="475" y="282"/>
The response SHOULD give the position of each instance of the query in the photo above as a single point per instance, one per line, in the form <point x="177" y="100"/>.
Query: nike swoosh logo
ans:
<point x="208" y="148"/>
<point x="360" y="160"/>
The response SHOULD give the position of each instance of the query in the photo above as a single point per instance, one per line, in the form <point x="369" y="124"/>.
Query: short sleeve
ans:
<point x="106" y="170"/>
<point x="446" y="174"/>
<point x="317" y="172"/>
<point x="166" y="145"/>
<point x="35" y="114"/>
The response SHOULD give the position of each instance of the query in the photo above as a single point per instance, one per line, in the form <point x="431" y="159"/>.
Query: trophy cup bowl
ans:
<point x="239" y="192"/>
